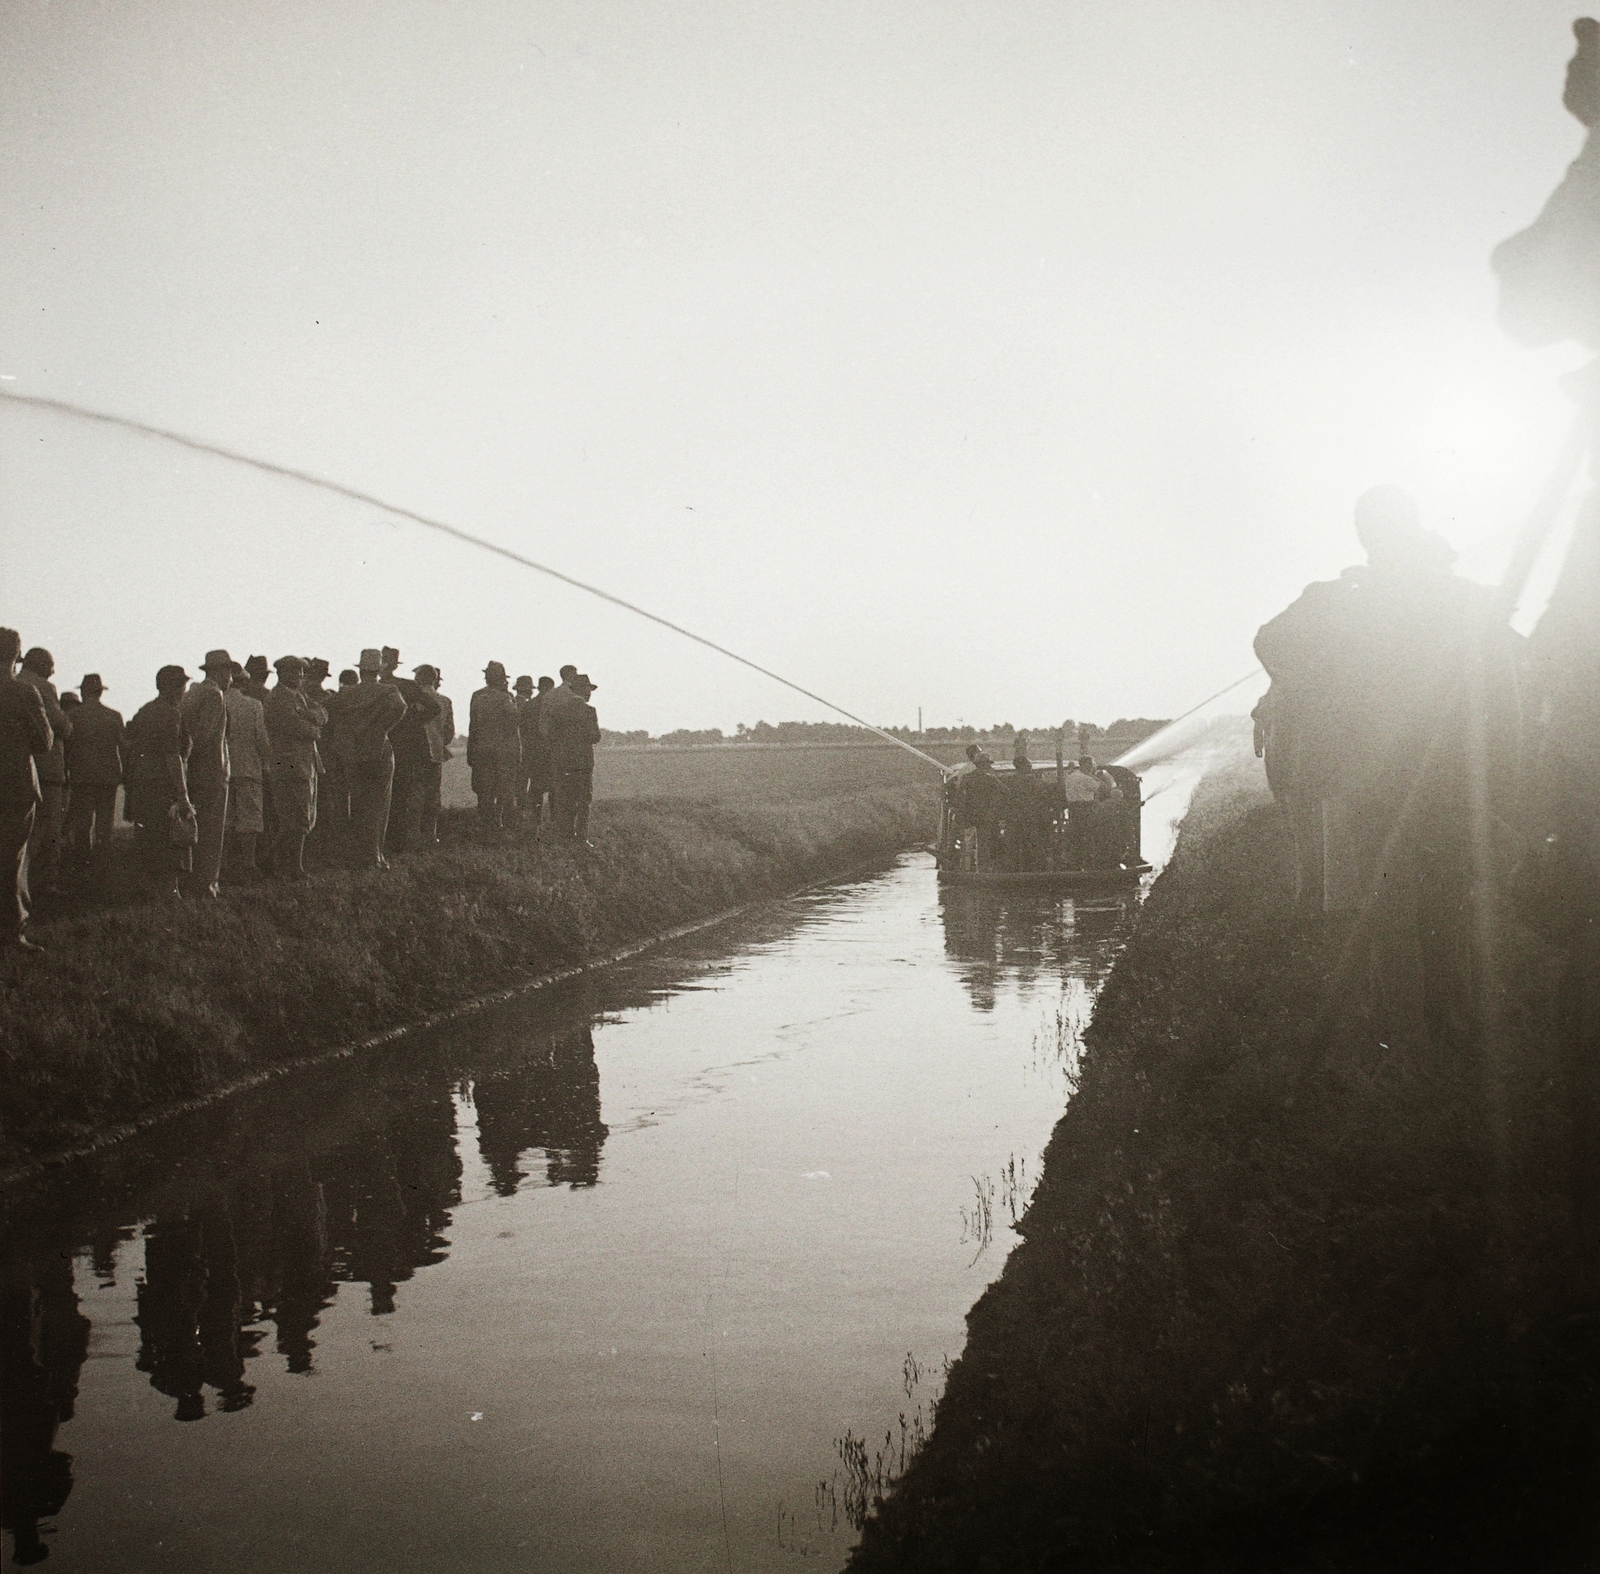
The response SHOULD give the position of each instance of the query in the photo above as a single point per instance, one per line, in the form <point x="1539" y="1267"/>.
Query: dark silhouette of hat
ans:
<point x="172" y="673"/>
<point x="256" y="666"/>
<point x="216" y="660"/>
<point x="91" y="684"/>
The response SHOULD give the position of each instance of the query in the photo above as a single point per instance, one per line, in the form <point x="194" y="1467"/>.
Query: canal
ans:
<point x="657" y="1270"/>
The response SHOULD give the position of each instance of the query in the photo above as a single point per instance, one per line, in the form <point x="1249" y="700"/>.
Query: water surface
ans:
<point x="637" y="1273"/>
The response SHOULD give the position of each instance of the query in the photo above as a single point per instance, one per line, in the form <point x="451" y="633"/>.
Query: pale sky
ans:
<point x="1011" y="360"/>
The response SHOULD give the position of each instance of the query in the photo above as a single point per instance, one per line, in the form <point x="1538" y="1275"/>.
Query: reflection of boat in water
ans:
<point x="1000" y="936"/>
<point x="1070" y="829"/>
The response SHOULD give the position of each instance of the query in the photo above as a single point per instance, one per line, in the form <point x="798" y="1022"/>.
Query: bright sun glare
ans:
<point x="1479" y="436"/>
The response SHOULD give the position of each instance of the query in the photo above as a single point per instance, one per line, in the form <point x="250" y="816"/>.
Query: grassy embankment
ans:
<point x="138" y="1005"/>
<point x="1276" y="1307"/>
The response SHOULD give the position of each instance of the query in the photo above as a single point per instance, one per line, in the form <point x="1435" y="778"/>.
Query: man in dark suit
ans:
<point x="576" y="732"/>
<point x="94" y="773"/>
<point x="24" y="732"/>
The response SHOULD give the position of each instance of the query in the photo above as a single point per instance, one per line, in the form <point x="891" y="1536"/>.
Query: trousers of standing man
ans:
<point x="44" y="842"/>
<point x="430" y="777"/>
<point x="294" y="803"/>
<point x="208" y="791"/>
<point x="333" y="802"/>
<point x="91" y="812"/>
<point x="410" y="767"/>
<point x="371" y="784"/>
<point x="574" y="792"/>
<point x="16" y="825"/>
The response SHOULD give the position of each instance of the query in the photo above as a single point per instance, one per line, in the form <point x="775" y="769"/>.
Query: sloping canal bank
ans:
<point x="140" y="1006"/>
<point x="1275" y="1306"/>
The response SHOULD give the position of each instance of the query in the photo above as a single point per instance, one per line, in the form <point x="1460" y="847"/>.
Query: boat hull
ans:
<point x="1087" y="880"/>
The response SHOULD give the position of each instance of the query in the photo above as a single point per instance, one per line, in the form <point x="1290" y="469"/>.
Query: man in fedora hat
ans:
<point x="24" y="736"/>
<point x="555" y="703"/>
<point x="254" y="681"/>
<point x="411" y="753"/>
<point x="441" y="734"/>
<point x="494" y="750"/>
<point x="577" y="730"/>
<point x="155" y="755"/>
<point x="205" y="714"/>
<point x="294" y="724"/>
<point x="527" y="731"/>
<point x="44" y="845"/>
<point x="94" y="770"/>
<point x="536" y="781"/>
<point x="317" y="673"/>
<point x="366" y="714"/>
<point x="249" y="770"/>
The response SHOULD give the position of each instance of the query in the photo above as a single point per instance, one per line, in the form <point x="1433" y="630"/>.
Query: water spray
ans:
<point x="198" y="445"/>
<point x="1145" y="751"/>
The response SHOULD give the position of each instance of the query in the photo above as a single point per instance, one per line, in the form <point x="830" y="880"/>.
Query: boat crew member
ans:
<point x="979" y="811"/>
<point x="1030" y="817"/>
<point x="1080" y="790"/>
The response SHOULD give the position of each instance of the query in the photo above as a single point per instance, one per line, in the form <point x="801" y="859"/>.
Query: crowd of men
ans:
<point x="228" y="772"/>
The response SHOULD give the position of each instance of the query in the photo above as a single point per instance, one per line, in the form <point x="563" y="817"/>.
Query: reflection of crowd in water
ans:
<point x="550" y="1101"/>
<point x="249" y="1266"/>
<point x="44" y="1340"/>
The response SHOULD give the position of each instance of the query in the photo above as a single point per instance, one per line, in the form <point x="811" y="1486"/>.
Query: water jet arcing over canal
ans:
<point x="595" y="1281"/>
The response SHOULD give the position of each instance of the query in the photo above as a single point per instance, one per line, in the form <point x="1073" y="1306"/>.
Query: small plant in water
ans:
<point x="1059" y="1041"/>
<point x="910" y="1373"/>
<point x="1014" y="1188"/>
<point x="870" y="1472"/>
<point x="977" y="1223"/>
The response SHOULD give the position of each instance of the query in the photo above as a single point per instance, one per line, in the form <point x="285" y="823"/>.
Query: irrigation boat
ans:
<point x="1070" y="829"/>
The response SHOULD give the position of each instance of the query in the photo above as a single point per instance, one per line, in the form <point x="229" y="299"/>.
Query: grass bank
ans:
<point x="1276" y="1307"/>
<point x="137" y="1006"/>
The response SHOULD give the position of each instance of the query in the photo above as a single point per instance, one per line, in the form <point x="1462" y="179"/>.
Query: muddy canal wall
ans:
<point x="1275" y="1306"/>
<point x="135" y="1007"/>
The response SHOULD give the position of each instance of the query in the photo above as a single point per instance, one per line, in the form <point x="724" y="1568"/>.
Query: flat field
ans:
<point x="738" y="773"/>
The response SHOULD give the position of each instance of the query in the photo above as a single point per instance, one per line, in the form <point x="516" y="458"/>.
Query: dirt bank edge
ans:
<point x="1273" y="1309"/>
<point x="197" y="1004"/>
